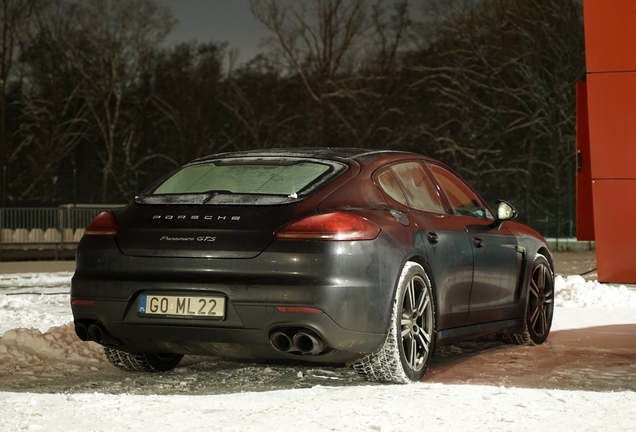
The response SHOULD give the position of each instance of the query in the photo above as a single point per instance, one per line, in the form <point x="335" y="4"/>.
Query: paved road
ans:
<point x="595" y="358"/>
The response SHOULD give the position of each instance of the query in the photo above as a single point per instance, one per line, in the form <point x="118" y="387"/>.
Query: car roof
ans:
<point x="337" y="153"/>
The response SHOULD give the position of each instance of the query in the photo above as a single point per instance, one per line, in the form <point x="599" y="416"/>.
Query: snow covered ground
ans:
<point x="52" y="381"/>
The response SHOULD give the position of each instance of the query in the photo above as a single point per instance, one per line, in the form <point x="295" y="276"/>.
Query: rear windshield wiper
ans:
<point x="217" y="191"/>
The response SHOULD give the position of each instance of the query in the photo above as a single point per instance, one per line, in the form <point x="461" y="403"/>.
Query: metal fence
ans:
<point x="45" y="229"/>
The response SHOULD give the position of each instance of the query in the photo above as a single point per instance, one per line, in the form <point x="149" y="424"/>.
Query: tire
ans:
<point x="540" y="305"/>
<point x="410" y="342"/>
<point x="142" y="362"/>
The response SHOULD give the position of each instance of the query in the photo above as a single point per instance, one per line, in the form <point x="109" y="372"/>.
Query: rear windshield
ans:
<point x="243" y="178"/>
<point x="246" y="180"/>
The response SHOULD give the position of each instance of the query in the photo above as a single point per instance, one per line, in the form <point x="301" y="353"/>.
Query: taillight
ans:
<point x="78" y="302"/>
<point x="331" y="226"/>
<point x="103" y="225"/>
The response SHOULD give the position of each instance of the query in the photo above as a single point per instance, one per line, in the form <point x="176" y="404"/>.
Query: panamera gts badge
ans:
<point x="188" y="239"/>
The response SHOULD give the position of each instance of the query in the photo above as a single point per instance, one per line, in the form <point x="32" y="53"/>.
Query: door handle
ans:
<point x="479" y="243"/>
<point x="432" y="237"/>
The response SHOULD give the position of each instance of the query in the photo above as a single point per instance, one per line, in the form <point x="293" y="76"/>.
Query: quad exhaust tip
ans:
<point x="297" y="341"/>
<point x="281" y="341"/>
<point x="94" y="332"/>
<point x="82" y="332"/>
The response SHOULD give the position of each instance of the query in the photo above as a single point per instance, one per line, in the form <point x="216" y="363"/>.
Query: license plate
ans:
<point x="182" y="306"/>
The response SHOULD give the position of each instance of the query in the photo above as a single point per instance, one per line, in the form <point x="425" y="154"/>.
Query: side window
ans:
<point x="414" y="185"/>
<point x="463" y="200"/>
<point x="391" y="187"/>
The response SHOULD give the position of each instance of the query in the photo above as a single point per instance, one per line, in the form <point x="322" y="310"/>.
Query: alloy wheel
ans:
<point x="541" y="301"/>
<point x="416" y="325"/>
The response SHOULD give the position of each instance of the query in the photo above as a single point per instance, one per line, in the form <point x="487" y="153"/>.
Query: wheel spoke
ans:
<point x="421" y="353"/>
<point x="541" y="278"/>
<point x="544" y="322"/>
<point x="534" y="317"/>
<point x="410" y="351"/>
<point x="423" y="304"/>
<point x="405" y="331"/>
<point x="426" y="340"/>
<point x="534" y="290"/>
<point x="418" y="302"/>
<point x="406" y="344"/>
<point x="410" y="293"/>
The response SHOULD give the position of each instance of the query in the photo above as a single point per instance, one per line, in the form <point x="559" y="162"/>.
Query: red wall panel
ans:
<point x="614" y="217"/>
<point x="610" y="35"/>
<point x="612" y="112"/>
<point x="584" y="202"/>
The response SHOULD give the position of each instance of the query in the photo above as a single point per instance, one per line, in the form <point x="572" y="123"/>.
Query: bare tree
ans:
<point x="262" y="106"/>
<point x="187" y="86"/>
<point x="15" y="20"/>
<point x="501" y="78"/>
<point x="112" y="43"/>
<point x="50" y="131"/>
<point x="320" y="46"/>
<point x="376" y="113"/>
<point x="52" y="117"/>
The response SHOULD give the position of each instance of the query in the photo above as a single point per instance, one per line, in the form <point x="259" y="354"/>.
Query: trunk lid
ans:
<point x="199" y="231"/>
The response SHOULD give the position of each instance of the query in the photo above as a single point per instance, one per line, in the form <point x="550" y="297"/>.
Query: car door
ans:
<point x="446" y="243"/>
<point x="497" y="257"/>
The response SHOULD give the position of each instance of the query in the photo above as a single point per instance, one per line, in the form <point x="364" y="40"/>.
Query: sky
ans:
<point x="219" y="21"/>
<point x="228" y="21"/>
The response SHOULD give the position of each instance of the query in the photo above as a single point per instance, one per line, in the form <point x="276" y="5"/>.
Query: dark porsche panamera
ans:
<point x="365" y="257"/>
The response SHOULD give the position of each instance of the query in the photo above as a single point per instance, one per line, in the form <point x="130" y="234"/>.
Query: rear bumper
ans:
<point x="187" y="336"/>
<point x="352" y="283"/>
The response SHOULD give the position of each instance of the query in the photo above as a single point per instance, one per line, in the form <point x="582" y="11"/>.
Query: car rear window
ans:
<point x="243" y="178"/>
<point x="416" y="191"/>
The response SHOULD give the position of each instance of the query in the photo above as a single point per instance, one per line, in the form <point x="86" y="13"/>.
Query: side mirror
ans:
<point x="505" y="211"/>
